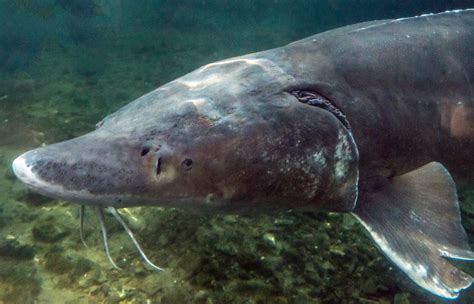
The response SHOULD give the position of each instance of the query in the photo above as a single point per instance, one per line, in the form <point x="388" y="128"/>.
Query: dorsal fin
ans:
<point x="415" y="220"/>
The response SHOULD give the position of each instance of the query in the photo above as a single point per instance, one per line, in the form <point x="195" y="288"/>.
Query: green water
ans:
<point x="65" y="64"/>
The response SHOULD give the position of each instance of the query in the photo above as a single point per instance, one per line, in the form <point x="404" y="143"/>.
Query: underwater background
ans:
<point x="65" y="64"/>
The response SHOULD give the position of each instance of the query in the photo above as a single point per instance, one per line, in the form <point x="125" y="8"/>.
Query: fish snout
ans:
<point x="40" y="171"/>
<point x="44" y="172"/>
<point x="84" y="170"/>
<point x="22" y="168"/>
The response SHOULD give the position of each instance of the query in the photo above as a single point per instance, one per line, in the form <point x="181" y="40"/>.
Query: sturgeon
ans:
<point x="368" y="119"/>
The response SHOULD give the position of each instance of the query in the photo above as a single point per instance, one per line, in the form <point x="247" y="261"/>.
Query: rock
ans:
<point x="303" y="298"/>
<point x="59" y="262"/>
<point x="48" y="230"/>
<point x="201" y="297"/>
<point x="175" y="295"/>
<point x="81" y="266"/>
<point x="32" y="198"/>
<point x="150" y="285"/>
<point x="19" y="282"/>
<point x="94" y="277"/>
<point x="271" y="264"/>
<point x="11" y="248"/>
<point x="252" y="286"/>
<point x="401" y="298"/>
<point x="270" y="239"/>
<point x="337" y="250"/>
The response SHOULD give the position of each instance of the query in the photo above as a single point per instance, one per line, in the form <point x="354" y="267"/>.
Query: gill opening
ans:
<point x="313" y="98"/>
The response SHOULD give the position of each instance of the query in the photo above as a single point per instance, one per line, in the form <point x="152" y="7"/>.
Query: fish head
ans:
<point x="228" y="136"/>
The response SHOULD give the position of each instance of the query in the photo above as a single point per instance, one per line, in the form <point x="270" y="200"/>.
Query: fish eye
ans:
<point x="187" y="164"/>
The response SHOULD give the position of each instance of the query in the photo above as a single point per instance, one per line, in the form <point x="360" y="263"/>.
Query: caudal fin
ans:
<point x="415" y="220"/>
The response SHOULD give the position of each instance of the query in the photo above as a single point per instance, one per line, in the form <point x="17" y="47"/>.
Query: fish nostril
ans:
<point x="145" y="151"/>
<point x="158" y="166"/>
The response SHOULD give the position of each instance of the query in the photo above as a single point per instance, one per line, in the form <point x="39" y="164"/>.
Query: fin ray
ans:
<point x="415" y="220"/>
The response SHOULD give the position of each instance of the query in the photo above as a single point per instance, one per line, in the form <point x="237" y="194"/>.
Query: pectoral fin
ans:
<point x="415" y="220"/>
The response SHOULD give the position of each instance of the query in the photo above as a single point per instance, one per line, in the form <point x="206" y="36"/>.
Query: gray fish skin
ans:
<point x="233" y="136"/>
<point x="252" y="143"/>
<point x="398" y="81"/>
<point x="406" y="86"/>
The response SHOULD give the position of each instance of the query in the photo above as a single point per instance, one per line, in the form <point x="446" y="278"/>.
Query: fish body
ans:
<point x="368" y="119"/>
